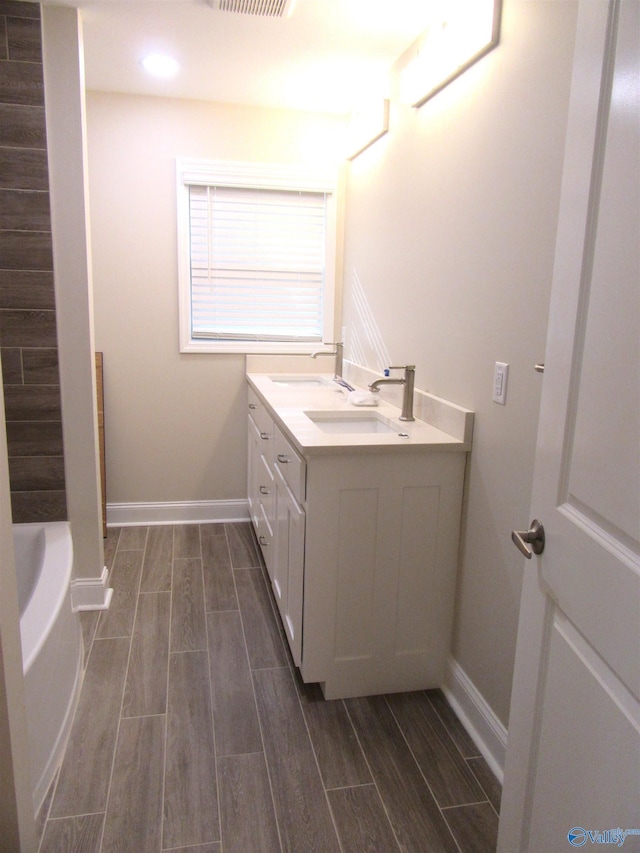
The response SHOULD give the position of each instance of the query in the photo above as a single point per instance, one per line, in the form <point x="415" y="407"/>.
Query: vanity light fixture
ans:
<point x="366" y="125"/>
<point x="465" y="32"/>
<point x="160" y="65"/>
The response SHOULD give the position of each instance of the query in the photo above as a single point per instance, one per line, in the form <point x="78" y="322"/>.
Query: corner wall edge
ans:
<point x="91" y="593"/>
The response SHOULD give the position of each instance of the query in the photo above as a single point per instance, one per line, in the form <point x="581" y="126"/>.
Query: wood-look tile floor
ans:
<point x="195" y="734"/>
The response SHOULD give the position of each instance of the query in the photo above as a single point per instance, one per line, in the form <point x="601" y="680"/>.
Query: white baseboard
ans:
<point x="91" y="593"/>
<point x="473" y="711"/>
<point x="181" y="512"/>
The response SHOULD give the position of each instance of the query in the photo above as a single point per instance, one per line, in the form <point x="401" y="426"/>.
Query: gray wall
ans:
<point x="175" y="423"/>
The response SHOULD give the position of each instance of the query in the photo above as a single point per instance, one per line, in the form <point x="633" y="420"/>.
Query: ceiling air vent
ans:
<point x="265" y="8"/>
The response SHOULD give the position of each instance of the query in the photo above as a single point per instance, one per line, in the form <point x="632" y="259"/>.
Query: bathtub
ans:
<point x="52" y="652"/>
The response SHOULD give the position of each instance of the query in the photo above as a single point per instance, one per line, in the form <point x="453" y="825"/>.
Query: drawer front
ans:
<point x="259" y="414"/>
<point x="266" y="489"/>
<point x="264" y="534"/>
<point x="290" y="464"/>
<point x="263" y="425"/>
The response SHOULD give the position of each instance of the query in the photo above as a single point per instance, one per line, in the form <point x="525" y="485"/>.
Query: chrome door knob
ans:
<point x="533" y="537"/>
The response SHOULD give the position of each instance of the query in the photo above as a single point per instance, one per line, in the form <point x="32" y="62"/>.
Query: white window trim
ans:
<point x="256" y="176"/>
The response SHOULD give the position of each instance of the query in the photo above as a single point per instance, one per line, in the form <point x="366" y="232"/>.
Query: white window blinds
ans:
<point x="257" y="262"/>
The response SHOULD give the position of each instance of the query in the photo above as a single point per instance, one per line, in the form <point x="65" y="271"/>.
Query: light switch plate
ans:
<point x="500" y="376"/>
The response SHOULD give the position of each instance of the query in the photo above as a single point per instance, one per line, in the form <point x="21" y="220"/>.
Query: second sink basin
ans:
<point x="351" y="422"/>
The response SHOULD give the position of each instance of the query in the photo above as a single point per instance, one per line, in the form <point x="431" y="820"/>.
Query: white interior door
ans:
<point x="572" y="775"/>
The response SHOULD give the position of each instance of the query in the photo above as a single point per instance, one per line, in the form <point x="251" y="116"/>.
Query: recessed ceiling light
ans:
<point x="160" y="65"/>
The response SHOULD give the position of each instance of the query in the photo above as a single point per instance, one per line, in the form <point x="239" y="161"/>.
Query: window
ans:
<point x="256" y="257"/>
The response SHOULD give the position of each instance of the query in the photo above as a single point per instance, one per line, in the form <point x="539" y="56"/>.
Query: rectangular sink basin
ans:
<point x="351" y="422"/>
<point x="299" y="381"/>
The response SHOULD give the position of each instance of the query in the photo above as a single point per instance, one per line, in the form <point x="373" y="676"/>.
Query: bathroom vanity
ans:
<point x="358" y="515"/>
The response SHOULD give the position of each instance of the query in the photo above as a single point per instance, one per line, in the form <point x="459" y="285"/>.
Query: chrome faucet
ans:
<point x="408" y="382"/>
<point x="338" y="354"/>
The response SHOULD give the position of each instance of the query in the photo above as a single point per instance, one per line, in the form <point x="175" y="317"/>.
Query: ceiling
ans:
<point x="325" y="57"/>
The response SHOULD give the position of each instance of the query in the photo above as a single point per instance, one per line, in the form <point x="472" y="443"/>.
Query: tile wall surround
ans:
<point x="28" y="338"/>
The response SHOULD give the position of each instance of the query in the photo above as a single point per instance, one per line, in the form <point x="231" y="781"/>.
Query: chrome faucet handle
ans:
<point x="402" y="367"/>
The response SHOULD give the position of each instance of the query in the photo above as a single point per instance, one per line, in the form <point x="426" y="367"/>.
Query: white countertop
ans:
<point x="289" y="402"/>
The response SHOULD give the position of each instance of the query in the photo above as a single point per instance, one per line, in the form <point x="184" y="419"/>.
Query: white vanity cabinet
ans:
<point x="361" y="546"/>
<point x="276" y="484"/>
<point x="381" y="552"/>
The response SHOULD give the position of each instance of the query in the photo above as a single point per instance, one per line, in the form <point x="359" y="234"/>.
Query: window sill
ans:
<point x="251" y="347"/>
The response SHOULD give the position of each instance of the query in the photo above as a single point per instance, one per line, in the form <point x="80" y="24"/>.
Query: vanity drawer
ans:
<point x="264" y="534"/>
<point x="266" y="488"/>
<point x="260" y="415"/>
<point x="290" y="464"/>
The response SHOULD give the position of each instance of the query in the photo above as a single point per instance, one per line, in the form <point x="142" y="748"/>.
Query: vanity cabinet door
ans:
<point x="288" y="569"/>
